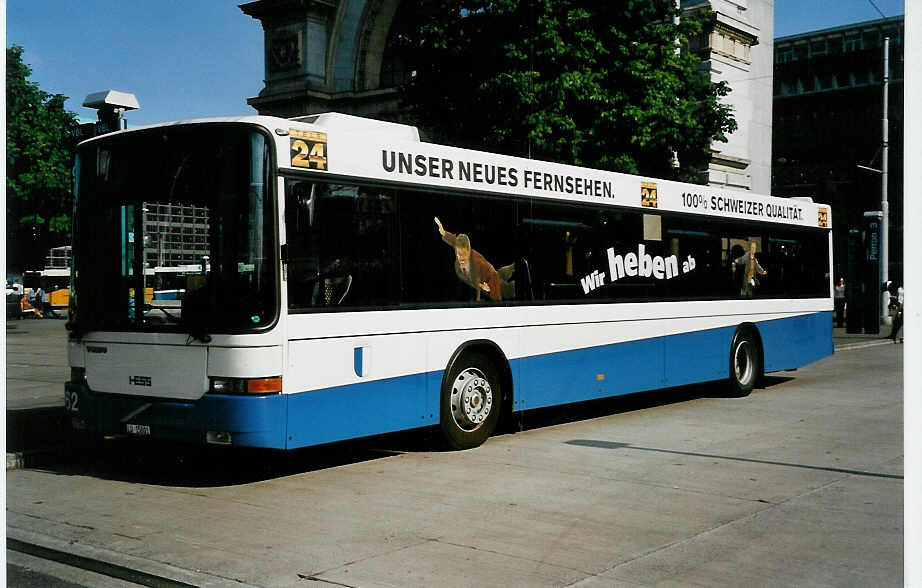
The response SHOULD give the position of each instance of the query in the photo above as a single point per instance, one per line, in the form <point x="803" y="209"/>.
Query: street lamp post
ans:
<point x="884" y="204"/>
<point x="110" y="105"/>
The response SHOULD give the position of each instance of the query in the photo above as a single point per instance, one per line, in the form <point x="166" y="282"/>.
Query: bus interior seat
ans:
<point x="334" y="292"/>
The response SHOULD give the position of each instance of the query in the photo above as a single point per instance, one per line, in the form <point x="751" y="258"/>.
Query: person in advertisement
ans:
<point x="474" y="270"/>
<point x="751" y="269"/>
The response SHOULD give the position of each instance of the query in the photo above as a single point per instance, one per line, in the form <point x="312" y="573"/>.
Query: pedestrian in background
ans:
<point x="840" y="302"/>
<point x="896" y="293"/>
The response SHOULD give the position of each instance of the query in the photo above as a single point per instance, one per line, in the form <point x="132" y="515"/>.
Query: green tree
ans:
<point x="39" y="163"/>
<point x="598" y="84"/>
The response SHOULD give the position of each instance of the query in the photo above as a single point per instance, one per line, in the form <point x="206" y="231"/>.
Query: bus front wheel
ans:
<point x="745" y="363"/>
<point x="471" y="401"/>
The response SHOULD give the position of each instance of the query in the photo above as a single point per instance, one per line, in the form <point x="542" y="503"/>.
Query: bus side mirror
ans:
<point x="301" y="205"/>
<point x="306" y="204"/>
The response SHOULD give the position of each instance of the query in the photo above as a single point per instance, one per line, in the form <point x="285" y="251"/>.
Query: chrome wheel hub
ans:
<point x="471" y="399"/>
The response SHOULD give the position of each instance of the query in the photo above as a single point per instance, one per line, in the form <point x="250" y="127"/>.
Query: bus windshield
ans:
<point x="174" y="231"/>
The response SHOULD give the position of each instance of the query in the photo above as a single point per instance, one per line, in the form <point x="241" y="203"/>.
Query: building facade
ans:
<point x="828" y="105"/>
<point x="324" y="56"/>
<point x="175" y="234"/>
<point x="737" y="48"/>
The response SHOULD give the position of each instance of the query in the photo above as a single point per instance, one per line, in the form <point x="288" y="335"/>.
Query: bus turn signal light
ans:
<point x="240" y="386"/>
<point x="264" y="386"/>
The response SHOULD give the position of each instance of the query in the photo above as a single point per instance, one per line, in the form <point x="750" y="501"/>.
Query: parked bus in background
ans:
<point x="352" y="280"/>
<point x="53" y="281"/>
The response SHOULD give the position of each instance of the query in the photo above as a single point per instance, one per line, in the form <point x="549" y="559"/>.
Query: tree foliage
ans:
<point x="39" y="160"/>
<point x="597" y="84"/>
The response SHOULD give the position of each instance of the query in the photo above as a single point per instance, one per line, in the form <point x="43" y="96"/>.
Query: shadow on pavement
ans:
<point x="36" y="429"/>
<point x="169" y="463"/>
<point x="156" y="462"/>
<point x="600" y="444"/>
<point x="556" y="415"/>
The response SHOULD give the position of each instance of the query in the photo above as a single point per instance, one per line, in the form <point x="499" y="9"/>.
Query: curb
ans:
<point x="114" y="564"/>
<point x="20" y="460"/>
<point x="862" y="344"/>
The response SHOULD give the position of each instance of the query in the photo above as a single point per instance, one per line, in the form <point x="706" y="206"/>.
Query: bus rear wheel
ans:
<point x="745" y="363"/>
<point x="471" y="401"/>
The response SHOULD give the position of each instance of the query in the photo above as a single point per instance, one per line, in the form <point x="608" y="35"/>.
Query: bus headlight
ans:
<point x="248" y="386"/>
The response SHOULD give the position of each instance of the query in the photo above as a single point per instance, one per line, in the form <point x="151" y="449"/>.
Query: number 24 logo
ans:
<point x="304" y="155"/>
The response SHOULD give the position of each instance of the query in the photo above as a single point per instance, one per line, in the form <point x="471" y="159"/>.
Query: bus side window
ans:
<point x="300" y="212"/>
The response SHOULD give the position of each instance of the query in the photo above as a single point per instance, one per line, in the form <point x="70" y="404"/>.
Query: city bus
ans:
<point x="345" y="279"/>
<point x="54" y="281"/>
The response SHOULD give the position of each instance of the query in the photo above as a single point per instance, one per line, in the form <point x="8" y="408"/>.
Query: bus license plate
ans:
<point x="140" y="430"/>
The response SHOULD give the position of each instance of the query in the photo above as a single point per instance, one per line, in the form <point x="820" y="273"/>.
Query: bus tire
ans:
<point x="745" y="363"/>
<point x="471" y="401"/>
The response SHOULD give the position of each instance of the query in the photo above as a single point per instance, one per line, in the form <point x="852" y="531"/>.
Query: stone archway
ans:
<point x="325" y="55"/>
<point x="372" y="42"/>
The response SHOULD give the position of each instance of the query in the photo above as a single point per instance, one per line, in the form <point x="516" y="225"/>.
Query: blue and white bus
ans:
<point x="350" y="280"/>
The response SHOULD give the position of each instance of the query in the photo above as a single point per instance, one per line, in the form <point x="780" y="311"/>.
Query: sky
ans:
<point x="199" y="58"/>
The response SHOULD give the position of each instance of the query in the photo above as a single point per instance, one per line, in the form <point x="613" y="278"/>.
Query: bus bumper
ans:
<point x="246" y="421"/>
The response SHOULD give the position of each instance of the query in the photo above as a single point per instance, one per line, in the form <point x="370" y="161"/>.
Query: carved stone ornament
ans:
<point x="285" y="52"/>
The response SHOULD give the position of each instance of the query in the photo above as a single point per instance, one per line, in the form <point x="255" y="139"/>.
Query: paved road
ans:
<point x="799" y="484"/>
<point x="36" y="363"/>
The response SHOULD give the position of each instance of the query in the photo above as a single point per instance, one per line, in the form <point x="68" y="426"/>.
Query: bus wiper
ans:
<point x="199" y="336"/>
<point x="163" y="309"/>
<point x="196" y="330"/>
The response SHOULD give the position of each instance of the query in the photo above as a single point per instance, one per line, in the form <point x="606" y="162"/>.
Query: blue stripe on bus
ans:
<point x="360" y="410"/>
<point x="624" y="368"/>
<point x="583" y="374"/>
<point x="253" y="421"/>
<point x="661" y="362"/>
<point x="408" y="402"/>
<point x="795" y="342"/>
